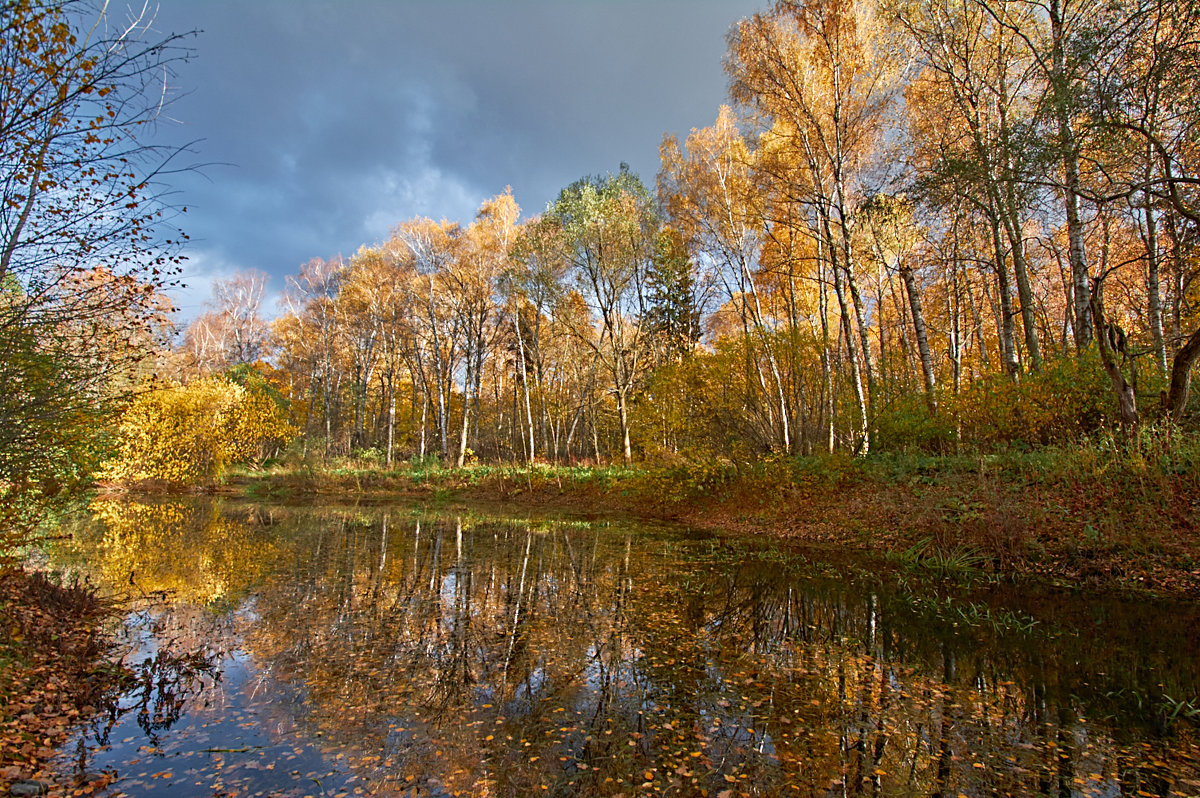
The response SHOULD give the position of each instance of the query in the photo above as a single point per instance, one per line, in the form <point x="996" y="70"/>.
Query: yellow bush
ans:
<point x="181" y="433"/>
<point x="1071" y="399"/>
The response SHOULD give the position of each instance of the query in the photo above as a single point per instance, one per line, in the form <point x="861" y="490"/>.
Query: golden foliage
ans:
<point x="181" y="433"/>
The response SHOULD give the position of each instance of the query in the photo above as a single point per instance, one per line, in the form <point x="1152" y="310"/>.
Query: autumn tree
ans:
<point x="308" y="338"/>
<point x="675" y="304"/>
<point x="381" y="311"/>
<point x="80" y="183"/>
<point x="979" y="72"/>
<point x="360" y="336"/>
<point x="887" y="240"/>
<point x="86" y="240"/>
<point x="711" y="195"/>
<point x="180" y="433"/>
<point x="429" y="249"/>
<point x="232" y="331"/>
<point x="825" y="80"/>
<point x="606" y="227"/>
<point x="239" y="299"/>
<point x="473" y="277"/>
<point x="1144" y="105"/>
<point x="531" y="287"/>
<point x="890" y="226"/>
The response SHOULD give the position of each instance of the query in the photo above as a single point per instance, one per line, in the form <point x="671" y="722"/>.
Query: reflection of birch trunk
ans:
<point x="416" y="555"/>
<point x="610" y="671"/>
<point x="575" y="566"/>
<point x="346" y="604"/>
<point x="383" y="537"/>
<point x="628" y="577"/>
<point x="872" y="616"/>
<point x="462" y="608"/>
<point x="437" y="558"/>
<point x="945" y="728"/>
<point x="1066" y="751"/>
<point x="512" y="637"/>
<point x="881" y="737"/>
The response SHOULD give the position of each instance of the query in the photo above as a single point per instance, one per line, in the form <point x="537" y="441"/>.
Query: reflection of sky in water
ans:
<point x="493" y="660"/>
<point x="240" y="735"/>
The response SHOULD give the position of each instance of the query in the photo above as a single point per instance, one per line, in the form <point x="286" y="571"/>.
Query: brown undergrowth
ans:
<point x="53" y="674"/>
<point x="1065" y="531"/>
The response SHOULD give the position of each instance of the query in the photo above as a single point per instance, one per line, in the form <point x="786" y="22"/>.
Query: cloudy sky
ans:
<point x="324" y="123"/>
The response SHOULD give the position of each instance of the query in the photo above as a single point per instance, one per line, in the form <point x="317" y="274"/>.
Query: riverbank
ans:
<point x="53" y="675"/>
<point x="1087" y="518"/>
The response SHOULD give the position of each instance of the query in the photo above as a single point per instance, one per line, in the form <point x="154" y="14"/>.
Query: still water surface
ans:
<point x="392" y="651"/>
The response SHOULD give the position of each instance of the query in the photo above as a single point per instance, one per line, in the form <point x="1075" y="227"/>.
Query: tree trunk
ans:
<point x="524" y="382"/>
<point x="976" y="321"/>
<point x="1016" y="240"/>
<point x="461" y="458"/>
<point x="623" y="414"/>
<point x="760" y="330"/>
<point x="1007" y="342"/>
<point x="1175" y="294"/>
<point x="826" y="364"/>
<point x="851" y="283"/>
<point x="1153" y="287"/>
<point x="424" y="406"/>
<point x="391" y="424"/>
<point x="1181" y="377"/>
<point x="918" y="318"/>
<point x="855" y="375"/>
<point x="860" y="320"/>
<point x="1126" y="399"/>
<point x="1070" y="155"/>
<point x="905" y="344"/>
<point x="954" y="311"/>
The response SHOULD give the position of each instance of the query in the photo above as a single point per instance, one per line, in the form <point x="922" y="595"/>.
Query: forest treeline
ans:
<point x="920" y="225"/>
<point x="917" y="226"/>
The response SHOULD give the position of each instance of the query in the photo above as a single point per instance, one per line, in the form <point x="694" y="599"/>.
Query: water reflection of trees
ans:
<point x="505" y="657"/>
<point x="196" y="551"/>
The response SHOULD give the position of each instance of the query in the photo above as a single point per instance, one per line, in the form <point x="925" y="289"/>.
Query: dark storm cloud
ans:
<point x="326" y="123"/>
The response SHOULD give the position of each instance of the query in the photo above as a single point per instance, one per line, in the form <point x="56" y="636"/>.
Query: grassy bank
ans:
<point x="1106" y="514"/>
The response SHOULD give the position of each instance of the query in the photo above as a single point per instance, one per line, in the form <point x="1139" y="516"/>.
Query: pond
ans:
<point x="307" y="650"/>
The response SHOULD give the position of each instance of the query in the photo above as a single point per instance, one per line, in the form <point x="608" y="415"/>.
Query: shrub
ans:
<point x="182" y="433"/>
<point x="908" y="426"/>
<point x="1069" y="400"/>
